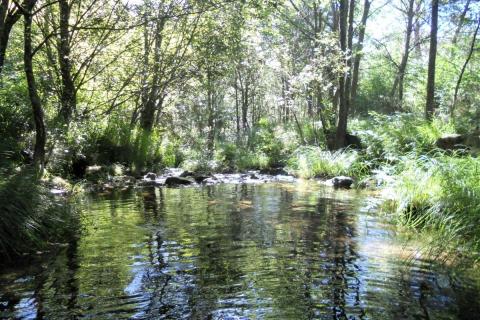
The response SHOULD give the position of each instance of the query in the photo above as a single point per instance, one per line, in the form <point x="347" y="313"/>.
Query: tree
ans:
<point x="9" y="15"/>
<point x="467" y="60"/>
<point x="36" y="103"/>
<point x="402" y="67"/>
<point x="358" y="49"/>
<point x="430" y="104"/>
<point x="343" y="107"/>
<point x="167" y="39"/>
<point x="68" y="95"/>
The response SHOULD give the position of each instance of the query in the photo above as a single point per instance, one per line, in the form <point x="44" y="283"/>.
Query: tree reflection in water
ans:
<point x="278" y="251"/>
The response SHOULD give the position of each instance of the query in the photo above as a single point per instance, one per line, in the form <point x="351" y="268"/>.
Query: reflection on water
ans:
<point x="277" y="251"/>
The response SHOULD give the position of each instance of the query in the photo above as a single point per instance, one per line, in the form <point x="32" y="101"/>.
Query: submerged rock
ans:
<point x="176" y="181"/>
<point x="341" y="182"/>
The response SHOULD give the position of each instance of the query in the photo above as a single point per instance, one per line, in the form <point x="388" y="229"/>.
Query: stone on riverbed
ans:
<point x="341" y="182"/>
<point x="200" y="178"/>
<point x="176" y="181"/>
<point x="274" y="171"/>
<point x="150" y="176"/>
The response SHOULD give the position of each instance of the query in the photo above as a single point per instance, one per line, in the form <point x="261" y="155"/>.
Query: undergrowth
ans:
<point x="31" y="217"/>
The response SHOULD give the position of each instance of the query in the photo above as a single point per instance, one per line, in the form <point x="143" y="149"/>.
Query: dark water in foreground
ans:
<point x="273" y="251"/>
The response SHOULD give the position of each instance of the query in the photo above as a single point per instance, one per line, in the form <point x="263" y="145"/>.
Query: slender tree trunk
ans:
<point x="7" y="21"/>
<point x="68" y="93"/>
<point x="469" y="57"/>
<point x="358" y="51"/>
<point x="461" y="22"/>
<point x="351" y="16"/>
<point x="237" y="109"/>
<point x="430" y="105"/>
<point x="342" y="114"/>
<point x="402" y="67"/>
<point x="147" y="117"/>
<point x="211" y="116"/>
<point x="416" y="30"/>
<point x="406" y="51"/>
<point x="38" y="115"/>
<point x="245" y="94"/>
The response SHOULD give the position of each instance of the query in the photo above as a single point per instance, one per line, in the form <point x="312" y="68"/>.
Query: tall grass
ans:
<point x="30" y="217"/>
<point x="441" y="195"/>
<point x="310" y="162"/>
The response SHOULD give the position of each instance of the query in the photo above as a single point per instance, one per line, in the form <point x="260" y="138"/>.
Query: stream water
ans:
<point x="236" y="251"/>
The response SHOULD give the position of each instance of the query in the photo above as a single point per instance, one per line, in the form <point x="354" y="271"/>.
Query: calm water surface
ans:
<point x="271" y="251"/>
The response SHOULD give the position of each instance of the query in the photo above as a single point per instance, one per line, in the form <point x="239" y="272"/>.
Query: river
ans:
<point x="237" y="251"/>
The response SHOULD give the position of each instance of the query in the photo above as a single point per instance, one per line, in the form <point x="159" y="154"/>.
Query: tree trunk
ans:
<point x="237" y="109"/>
<point x="342" y="114"/>
<point x="399" y="78"/>
<point x="358" y="51"/>
<point x="459" y="81"/>
<point x="147" y="118"/>
<point x="68" y="93"/>
<point x="245" y="94"/>
<point x="461" y="22"/>
<point x="211" y="116"/>
<point x="416" y="29"/>
<point x="430" y="105"/>
<point x="7" y="21"/>
<point x="38" y="115"/>
<point x="406" y="51"/>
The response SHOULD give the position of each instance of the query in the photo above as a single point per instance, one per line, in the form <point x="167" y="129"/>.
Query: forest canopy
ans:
<point x="147" y="83"/>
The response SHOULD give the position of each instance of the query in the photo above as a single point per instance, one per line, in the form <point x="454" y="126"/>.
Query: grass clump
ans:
<point x="441" y="195"/>
<point x="313" y="162"/>
<point x="30" y="216"/>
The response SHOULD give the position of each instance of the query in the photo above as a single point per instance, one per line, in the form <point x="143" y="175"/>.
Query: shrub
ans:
<point x="387" y="138"/>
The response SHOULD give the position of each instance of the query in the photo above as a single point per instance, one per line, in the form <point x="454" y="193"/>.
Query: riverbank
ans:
<point x="430" y="185"/>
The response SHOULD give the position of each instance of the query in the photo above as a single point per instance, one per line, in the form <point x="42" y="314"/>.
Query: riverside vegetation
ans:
<point x="316" y="88"/>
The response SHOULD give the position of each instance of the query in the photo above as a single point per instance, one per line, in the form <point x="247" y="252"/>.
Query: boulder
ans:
<point x="200" y="178"/>
<point x="185" y="174"/>
<point x="176" y="181"/>
<point x="341" y="182"/>
<point x="253" y="176"/>
<point x="150" y="176"/>
<point x="450" y="141"/>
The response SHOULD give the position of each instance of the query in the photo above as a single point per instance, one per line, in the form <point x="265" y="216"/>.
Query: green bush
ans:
<point x="388" y="138"/>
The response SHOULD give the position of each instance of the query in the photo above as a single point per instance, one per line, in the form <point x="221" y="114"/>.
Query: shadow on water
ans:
<point x="275" y="251"/>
